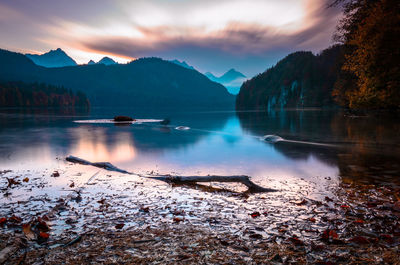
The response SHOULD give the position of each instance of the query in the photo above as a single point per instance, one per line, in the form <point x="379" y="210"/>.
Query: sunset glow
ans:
<point x="248" y="35"/>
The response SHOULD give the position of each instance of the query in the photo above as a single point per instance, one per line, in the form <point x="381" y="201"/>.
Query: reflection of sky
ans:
<point x="227" y="151"/>
<point x="92" y="145"/>
<point x="232" y="152"/>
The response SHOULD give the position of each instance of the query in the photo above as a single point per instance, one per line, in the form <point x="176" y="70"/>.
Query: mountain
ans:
<point x="106" y="61"/>
<point x="300" y="80"/>
<point x="230" y="76"/>
<point x="91" y="62"/>
<point x="144" y="83"/>
<point x="211" y="76"/>
<point x="232" y="80"/>
<point x="53" y="58"/>
<point x="183" y="64"/>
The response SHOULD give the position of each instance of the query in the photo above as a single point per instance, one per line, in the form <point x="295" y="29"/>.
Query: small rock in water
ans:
<point x="182" y="128"/>
<point x="123" y="118"/>
<point x="272" y="138"/>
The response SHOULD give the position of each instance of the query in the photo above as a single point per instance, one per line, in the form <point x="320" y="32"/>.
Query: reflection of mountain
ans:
<point x="364" y="148"/>
<point x="57" y="136"/>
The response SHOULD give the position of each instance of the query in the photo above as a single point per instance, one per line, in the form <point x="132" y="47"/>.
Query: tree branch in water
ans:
<point x="245" y="180"/>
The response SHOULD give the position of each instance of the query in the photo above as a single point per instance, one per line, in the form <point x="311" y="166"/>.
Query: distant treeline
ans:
<point x="19" y="94"/>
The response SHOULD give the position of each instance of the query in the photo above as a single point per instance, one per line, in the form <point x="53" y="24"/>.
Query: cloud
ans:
<point x="212" y="35"/>
<point x="236" y="41"/>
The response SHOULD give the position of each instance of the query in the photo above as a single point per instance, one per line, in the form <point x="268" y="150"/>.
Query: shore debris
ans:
<point x="105" y="165"/>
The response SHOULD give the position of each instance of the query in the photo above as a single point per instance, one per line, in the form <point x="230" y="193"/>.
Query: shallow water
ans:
<point x="316" y="152"/>
<point x="315" y="143"/>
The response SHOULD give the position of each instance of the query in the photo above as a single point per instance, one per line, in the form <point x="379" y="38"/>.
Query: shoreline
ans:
<point x="226" y="226"/>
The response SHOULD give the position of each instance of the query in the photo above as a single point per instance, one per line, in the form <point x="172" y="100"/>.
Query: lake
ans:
<point x="306" y="155"/>
<point x="315" y="143"/>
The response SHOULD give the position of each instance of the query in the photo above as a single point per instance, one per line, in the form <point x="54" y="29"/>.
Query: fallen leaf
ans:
<point x="300" y="203"/>
<point x="3" y="221"/>
<point x="256" y="236"/>
<point x="329" y="233"/>
<point x="27" y="229"/>
<point x="147" y="209"/>
<point x="41" y="225"/>
<point x="72" y="185"/>
<point x="55" y="174"/>
<point x="359" y="222"/>
<point x="296" y="241"/>
<point x="177" y="219"/>
<point x="119" y="226"/>
<point x="15" y="219"/>
<point x="312" y="219"/>
<point x="387" y="238"/>
<point x="344" y="206"/>
<point x="44" y="235"/>
<point x="255" y="214"/>
<point x="12" y="181"/>
<point x="333" y="234"/>
<point x="25" y="179"/>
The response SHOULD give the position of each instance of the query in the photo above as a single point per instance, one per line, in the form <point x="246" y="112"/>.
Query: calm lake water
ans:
<point x="317" y="152"/>
<point x="320" y="145"/>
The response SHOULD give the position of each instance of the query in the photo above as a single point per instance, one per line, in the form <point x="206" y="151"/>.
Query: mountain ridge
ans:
<point x="146" y="82"/>
<point x="53" y="58"/>
<point x="231" y="79"/>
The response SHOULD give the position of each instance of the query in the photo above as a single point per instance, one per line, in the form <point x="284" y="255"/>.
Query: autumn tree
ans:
<point x="370" y="75"/>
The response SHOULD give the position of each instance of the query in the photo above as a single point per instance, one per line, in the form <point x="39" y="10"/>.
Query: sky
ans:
<point x="211" y="35"/>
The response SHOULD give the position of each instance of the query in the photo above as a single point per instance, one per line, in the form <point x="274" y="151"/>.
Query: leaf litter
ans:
<point x="130" y="219"/>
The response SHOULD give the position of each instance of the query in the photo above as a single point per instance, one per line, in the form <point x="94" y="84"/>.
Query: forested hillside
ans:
<point x="18" y="94"/>
<point x="299" y="80"/>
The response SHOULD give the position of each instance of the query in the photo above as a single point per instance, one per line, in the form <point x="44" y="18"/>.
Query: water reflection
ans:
<point x="363" y="148"/>
<point x="95" y="145"/>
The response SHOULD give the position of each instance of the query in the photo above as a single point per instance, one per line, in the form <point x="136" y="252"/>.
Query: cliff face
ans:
<point x="300" y="80"/>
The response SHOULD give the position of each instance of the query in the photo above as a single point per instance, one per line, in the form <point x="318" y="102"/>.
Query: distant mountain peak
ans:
<point x="52" y="58"/>
<point x="232" y="80"/>
<point x="107" y="61"/>
<point x="233" y="73"/>
<point x="183" y="64"/>
<point x="91" y="62"/>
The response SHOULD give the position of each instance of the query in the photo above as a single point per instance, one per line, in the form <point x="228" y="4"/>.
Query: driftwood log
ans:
<point x="245" y="180"/>
<point x="105" y="165"/>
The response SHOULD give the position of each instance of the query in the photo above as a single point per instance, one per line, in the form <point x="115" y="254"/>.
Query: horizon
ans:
<point x="249" y="36"/>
